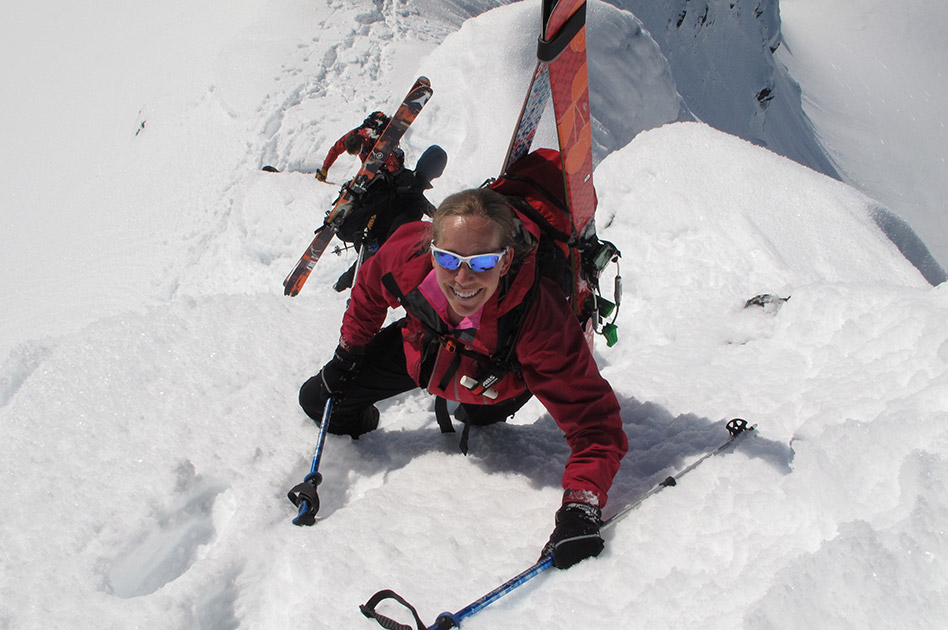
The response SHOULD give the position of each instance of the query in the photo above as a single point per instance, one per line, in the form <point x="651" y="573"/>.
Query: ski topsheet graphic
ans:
<point x="564" y="44"/>
<point x="351" y="191"/>
<point x="561" y="74"/>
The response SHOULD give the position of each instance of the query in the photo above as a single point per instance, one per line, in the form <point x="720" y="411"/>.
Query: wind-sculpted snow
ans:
<point x="152" y="430"/>
<point x="631" y="88"/>
<point x="908" y="242"/>
<point x="721" y="54"/>
<point x="843" y="87"/>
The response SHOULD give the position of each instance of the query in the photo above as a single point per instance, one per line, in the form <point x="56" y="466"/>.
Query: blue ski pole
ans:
<point x="737" y="428"/>
<point x="304" y="495"/>
<point x="453" y="620"/>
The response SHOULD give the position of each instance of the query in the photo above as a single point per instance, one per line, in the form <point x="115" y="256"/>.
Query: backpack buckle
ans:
<point x="605" y="253"/>
<point x="481" y="388"/>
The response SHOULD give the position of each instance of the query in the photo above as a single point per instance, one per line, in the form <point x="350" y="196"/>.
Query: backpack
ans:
<point x="534" y="186"/>
<point x="388" y="194"/>
<point x="375" y="122"/>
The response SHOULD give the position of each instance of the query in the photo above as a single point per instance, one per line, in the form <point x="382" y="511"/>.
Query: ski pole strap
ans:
<point x="736" y="426"/>
<point x="306" y="499"/>
<point x="368" y="609"/>
<point x="305" y="491"/>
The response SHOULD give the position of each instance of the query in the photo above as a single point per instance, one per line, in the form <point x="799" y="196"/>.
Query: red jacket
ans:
<point x="557" y="365"/>
<point x="392" y="163"/>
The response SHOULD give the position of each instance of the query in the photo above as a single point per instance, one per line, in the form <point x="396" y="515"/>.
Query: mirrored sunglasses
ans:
<point x="478" y="262"/>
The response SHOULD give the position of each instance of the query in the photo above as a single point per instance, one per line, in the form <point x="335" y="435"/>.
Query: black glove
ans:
<point x="337" y="375"/>
<point x="576" y="536"/>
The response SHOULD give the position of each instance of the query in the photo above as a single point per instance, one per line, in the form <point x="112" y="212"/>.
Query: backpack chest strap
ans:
<point x="502" y="362"/>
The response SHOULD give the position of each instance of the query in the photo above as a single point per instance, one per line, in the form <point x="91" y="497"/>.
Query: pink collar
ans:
<point x="430" y="288"/>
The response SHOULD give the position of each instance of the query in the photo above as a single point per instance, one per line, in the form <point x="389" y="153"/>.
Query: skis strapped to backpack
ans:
<point x="561" y="73"/>
<point x="534" y="185"/>
<point x="554" y="190"/>
<point x="384" y="146"/>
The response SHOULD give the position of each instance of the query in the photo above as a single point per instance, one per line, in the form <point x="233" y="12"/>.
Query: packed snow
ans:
<point x="149" y="361"/>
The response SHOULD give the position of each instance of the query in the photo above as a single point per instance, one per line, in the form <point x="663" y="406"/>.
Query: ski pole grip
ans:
<point x="736" y="426"/>
<point x="368" y="609"/>
<point x="305" y="497"/>
<point x="445" y="621"/>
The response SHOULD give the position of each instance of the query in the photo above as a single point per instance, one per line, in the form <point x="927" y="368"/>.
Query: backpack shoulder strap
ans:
<point x="509" y="328"/>
<point x="502" y="362"/>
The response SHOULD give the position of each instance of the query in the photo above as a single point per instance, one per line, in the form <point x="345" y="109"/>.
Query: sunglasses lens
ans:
<point x="452" y="262"/>
<point x="446" y="260"/>
<point x="483" y="263"/>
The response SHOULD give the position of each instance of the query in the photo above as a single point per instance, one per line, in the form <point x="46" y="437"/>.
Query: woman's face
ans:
<point x="467" y="291"/>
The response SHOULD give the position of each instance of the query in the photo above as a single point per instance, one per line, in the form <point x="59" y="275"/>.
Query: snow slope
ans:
<point x="148" y="404"/>
<point x="874" y="84"/>
<point x="850" y="88"/>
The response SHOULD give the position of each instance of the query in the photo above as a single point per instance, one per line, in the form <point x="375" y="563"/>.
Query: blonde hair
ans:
<point x="487" y="203"/>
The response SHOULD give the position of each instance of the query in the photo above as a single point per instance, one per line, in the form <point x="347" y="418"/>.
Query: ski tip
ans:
<point x="424" y="80"/>
<point x="270" y="169"/>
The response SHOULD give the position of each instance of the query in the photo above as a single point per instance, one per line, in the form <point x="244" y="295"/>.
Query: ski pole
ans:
<point x="448" y="620"/>
<point x="453" y="620"/>
<point x="362" y="251"/>
<point x="737" y="428"/>
<point x="304" y="495"/>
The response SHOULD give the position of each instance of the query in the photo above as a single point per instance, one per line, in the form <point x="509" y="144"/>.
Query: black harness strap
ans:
<point x="502" y="362"/>
<point x="416" y="304"/>
<point x="442" y="415"/>
<point x="465" y="438"/>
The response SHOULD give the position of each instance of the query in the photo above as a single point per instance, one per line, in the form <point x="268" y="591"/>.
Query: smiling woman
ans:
<point x="467" y="280"/>
<point x="470" y="277"/>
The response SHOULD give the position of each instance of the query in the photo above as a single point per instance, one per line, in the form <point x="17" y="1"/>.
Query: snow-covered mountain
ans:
<point x="150" y="362"/>
<point x="847" y="100"/>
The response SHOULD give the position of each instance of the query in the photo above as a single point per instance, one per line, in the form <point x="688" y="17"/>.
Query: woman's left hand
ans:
<point x="576" y="536"/>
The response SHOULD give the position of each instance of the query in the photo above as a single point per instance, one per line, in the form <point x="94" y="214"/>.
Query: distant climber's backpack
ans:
<point x="383" y="193"/>
<point x="375" y="123"/>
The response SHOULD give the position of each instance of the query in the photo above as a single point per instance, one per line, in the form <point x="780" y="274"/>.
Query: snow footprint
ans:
<point x="166" y="552"/>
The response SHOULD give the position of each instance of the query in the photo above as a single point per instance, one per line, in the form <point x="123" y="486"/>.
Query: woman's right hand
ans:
<point x="337" y="375"/>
